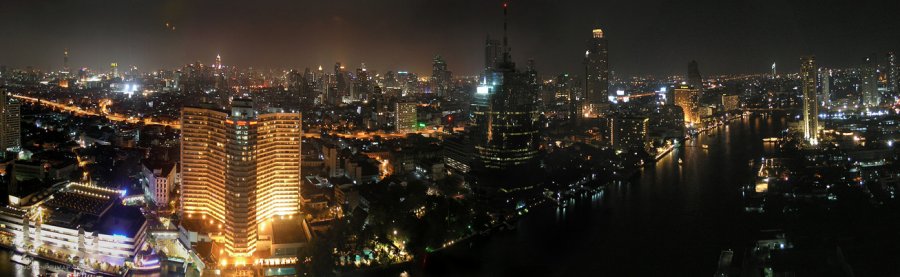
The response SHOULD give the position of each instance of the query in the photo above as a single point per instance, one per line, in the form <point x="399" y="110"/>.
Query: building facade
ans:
<point x="810" y="100"/>
<point x="596" y="63"/>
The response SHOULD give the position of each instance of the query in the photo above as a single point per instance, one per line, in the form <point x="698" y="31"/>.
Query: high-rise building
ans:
<point x="893" y="76"/>
<point x="687" y="98"/>
<point x="825" y="79"/>
<point x="440" y="77"/>
<point x="694" y="78"/>
<point x="596" y="63"/>
<point x="278" y="164"/>
<point x="869" y="79"/>
<point x="239" y="169"/>
<point x="504" y="128"/>
<point x="492" y="54"/>
<point x="406" y="117"/>
<point x="10" y="127"/>
<point x="66" y="61"/>
<point x="629" y="132"/>
<point x="810" y="100"/>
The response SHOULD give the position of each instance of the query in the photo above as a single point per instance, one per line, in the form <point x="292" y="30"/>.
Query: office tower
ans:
<point x="694" y="78"/>
<point x="239" y="168"/>
<point x="810" y="105"/>
<point x="596" y="63"/>
<point x="115" y="69"/>
<point x="869" y="79"/>
<point x="504" y="130"/>
<point x="440" y="77"/>
<point x="687" y="98"/>
<point x="66" y="61"/>
<point x="492" y="54"/>
<point x="892" y="74"/>
<point x="278" y="164"/>
<point x="774" y="71"/>
<point x="825" y="77"/>
<point x="405" y="117"/>
<point x="10" y="130"/>
<point x="629" y="132"/>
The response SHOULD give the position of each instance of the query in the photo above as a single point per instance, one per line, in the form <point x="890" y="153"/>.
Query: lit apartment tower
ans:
<point x="202" y="167"/>
<point x="405" y="119"/>
<point x="694" y="78"/>
<point x="278" y="164"/>
<point x="869" y="78"/>
<point x="686" y="97"/>
<point x="629" y="132"/>
<point x="10" y="130"/>
<point x="810" y="104"/>
<point x="238" y="169"/>
<point x="240" y="179"/>
<point x="440" y="76"/>
<point x="596" y="63"/>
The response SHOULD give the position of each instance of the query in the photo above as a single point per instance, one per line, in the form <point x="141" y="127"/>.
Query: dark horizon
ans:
<point x="656" y="37"/>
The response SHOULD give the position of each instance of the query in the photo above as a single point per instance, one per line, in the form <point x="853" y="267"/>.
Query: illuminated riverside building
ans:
<point x="506" y="135"/>
<point x="10" y="123"/>
<point x="596" y="63"/>
<point x="239" y="169"/>
<point x="629" y="132"/>
<point x="686" y="97"/>
<point x="808" y="77"/>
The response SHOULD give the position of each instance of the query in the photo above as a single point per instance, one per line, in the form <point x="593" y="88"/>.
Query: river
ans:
<point x="669" y="220"/>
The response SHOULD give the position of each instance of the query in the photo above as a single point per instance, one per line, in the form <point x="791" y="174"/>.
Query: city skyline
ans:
<point x="394" y="36"/>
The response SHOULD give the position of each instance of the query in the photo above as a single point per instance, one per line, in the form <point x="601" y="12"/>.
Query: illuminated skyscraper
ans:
<point x="810" y="100"/>
<point x="596" y="63"/>
<point x="278" y="164"/>
<point x="825" y="78"/>
<point x="406" y="119"/>
<point x="10" y="127"/>
<point x="239" y="169"/>
<point x="892" y="74"/>
<point x="869" y="78"/>
<point x="504" y="128"/>
<point x="66" y="61"/>
<point x="687" y="98"/>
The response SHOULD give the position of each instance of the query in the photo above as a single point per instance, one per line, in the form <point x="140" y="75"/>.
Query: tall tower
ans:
<point x="810" y="104"/>
<point x="440" y="76"/>
<point x="278" y="165"/>
<point x="892" y="74"/>
<point x="694" y="78"/>
<point x="596" y="63"/>
<point x="239" y="169"/>
<point x="10" y="126"/>
<point x="869" y="86"/>
<point x="825" y="79"/>
<point x="504" y="131"/>
<point x="66" y="60"/>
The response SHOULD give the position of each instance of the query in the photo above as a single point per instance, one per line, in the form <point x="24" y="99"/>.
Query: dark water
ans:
<point x="670" y="220"/>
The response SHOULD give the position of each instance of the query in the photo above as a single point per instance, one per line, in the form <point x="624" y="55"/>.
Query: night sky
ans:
<point x="645" y="37"/>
